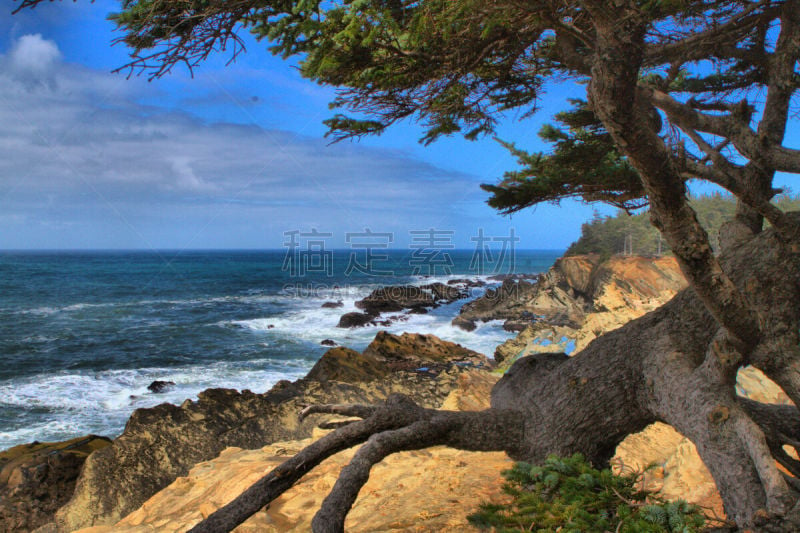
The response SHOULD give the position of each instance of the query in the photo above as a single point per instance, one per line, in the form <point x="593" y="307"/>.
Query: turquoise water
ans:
<point x="82" y="334"/>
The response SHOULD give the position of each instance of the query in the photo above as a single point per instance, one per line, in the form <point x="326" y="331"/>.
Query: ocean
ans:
<point x="82" y="334"/>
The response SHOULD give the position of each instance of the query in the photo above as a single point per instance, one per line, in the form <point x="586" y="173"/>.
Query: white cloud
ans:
<point x="34" y="58"/>
<point x="186" y="178"/>
<point x="80" y="137"/>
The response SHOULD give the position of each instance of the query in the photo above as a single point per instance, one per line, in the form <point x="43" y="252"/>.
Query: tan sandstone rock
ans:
<point x="426" y="490"/>
<point x="580" y="298"/>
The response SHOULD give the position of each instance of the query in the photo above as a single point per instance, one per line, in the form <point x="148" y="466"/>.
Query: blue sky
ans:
<point x="232" y="158"/>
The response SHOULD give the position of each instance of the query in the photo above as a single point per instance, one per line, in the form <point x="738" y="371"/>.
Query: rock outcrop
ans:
<point x="389" y="353"/>
<point x="355" y="319"/>
<point x="162" y="443"/>
<point x="406" y="298"/>
<point x="401" y="297"/>
<point x="38" y="478"/>
<point x="578" y="299"/>
<point x="160" y="387"/>
<point x="349" y="366"/>
<point x="575" y="287"/>
<point x="411" y="350"/>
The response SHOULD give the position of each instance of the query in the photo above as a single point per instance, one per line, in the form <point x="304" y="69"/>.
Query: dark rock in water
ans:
<point x="162" y="443"/>
<point x="411" y="298"/>
<point x="160" y="387"/>
<point x="38" y="478"/>
<point x="333" y="305"/>
<point x="468" y="283"/>
<point x="516" y="326"/>
<point x="355" y="320"/>
<point x="464" y="323"/>
<point x="506" y="302"/>
<point x="395" y="298"/>
<point x="328" y="342"/>
<point x="401" y="297"/>
<point x="270" y="326"/>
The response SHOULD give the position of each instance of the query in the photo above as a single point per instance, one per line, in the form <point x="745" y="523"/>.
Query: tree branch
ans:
<point x="361" y="411"/>
<point x="746" y="141"/>
<point x="721" y="39"/>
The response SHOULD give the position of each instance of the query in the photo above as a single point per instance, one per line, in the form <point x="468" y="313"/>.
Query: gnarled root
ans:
<point x="397" y="411"/>
<point x="396" y="425"/>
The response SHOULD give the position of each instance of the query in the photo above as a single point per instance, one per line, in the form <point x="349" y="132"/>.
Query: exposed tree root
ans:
<point x="331" y="515"/>
<point x="398" y="411"/>
<point x="396" y="425"/>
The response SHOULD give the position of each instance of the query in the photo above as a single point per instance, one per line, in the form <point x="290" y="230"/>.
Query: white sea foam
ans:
<point x="287" y="297"/>
<point x="311" y="323"/>
<point x="101" y="402"/>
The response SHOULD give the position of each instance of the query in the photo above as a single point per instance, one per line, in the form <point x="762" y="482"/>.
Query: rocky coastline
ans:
<point x="173" y="465"/>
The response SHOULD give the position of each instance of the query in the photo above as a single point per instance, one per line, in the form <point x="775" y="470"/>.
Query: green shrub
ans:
<point x="569" y="496"/>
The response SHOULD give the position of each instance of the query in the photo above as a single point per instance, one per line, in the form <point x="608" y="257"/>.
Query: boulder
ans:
<point x="464" y="323"/>
<point x="328" y="342"/>
<point x="333" y="305"/>
<point x="38" y="478"/>
<point x="355" y="320"/>
<point x="160" y="387"/>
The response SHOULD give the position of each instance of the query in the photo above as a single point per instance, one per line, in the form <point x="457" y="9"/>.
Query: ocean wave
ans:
<point x="69" y="404"/>
<point x="316" y="324"/>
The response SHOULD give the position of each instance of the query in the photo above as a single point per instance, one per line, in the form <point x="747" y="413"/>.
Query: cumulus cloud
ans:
<point x="80" y="138"/>
<point x="33" y="59"/>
